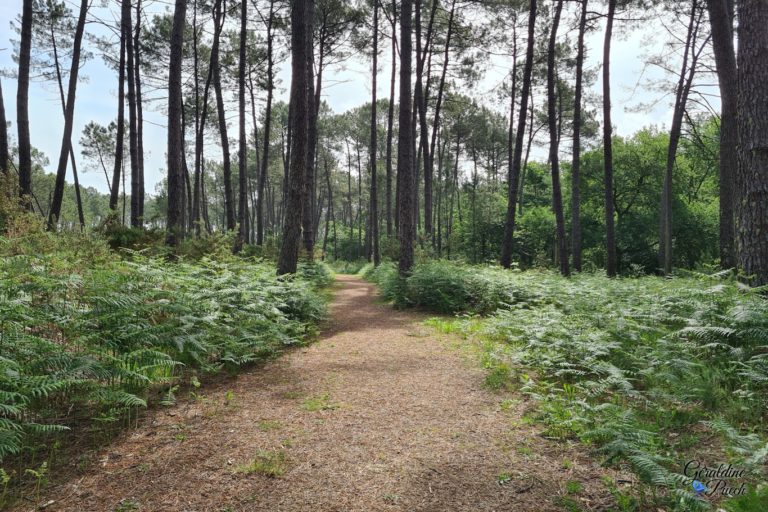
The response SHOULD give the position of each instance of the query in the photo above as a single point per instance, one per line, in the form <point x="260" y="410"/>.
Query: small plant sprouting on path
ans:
<point x="267" y="425"/>
<point x="271" y="463"/>
<point x="319" y="403"/>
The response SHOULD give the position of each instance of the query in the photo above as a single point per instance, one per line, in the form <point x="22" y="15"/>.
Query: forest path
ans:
<point x="380" y="414"/>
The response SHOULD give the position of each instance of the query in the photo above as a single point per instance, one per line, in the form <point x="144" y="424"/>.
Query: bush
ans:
<point x="86" y="334"/>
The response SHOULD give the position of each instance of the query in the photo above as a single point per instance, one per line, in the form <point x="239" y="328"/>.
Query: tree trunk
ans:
<point x="374" y="142"/>
<point x="62" y="98"/>
<point x="120" y="135"/>
<point x="242" y="178"/>
<point x="229" y="202"/>
<point x="5" y="158"/>
<point x="610" y="236"/>
<point x="721" y="19"/>
<point x="22" y="106"/>
<point x="302" y="13"/>
<point x="576" y="243"/>
<point x="554" y="144"/>
<point x="405" y="178"/>
<point x="267" y="131"/>
<point x="126" y="27"/>
<point x="515" y="164"/>
<point x="175" y="223"/>
<point x="752" y="177"/>
<point x="390" y="119"/>
<point x="681" y="99"/>
<point x="69" y="119"/>
<point x="139" y="111"/>
<point x="308" y="195"/>
<point x="436" y="124"/>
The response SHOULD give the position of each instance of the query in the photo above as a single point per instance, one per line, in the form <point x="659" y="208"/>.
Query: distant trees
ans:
<point x="466" y="179"/>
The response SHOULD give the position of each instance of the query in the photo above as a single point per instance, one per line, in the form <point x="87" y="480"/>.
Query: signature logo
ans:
<point x="721" y="480"/>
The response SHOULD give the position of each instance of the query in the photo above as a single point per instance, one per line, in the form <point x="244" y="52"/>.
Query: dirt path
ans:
<point x="378" y="415"/>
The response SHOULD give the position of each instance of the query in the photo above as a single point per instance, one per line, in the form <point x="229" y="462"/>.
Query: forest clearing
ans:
<point x="369" y="255"/>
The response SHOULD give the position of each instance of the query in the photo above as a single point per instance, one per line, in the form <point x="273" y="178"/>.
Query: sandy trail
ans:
<point x="380" y="414"/>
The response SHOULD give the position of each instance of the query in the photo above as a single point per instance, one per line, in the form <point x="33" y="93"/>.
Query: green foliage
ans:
<point x="635" y="367"/>
<point x="268" y="463"/>
<point x="86" y="334"/>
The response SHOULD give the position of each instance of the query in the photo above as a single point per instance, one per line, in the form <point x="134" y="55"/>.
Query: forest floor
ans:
<point x="380" y="414"/>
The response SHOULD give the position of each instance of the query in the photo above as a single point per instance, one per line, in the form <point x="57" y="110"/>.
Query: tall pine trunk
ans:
<point x="576" y="243"/>
<point x="267" y="131"/>
<point x="374" y="224"/>
<point x="242" y="179"/>
<point x="22" y="106"/>
<point x="684" y="84"/>
<point x="721" y="20"/>
<point x="405" y="147"/>
<point x="516" y="162"/>
<point x="120" y="135"/>
<point x="69" y="119"/>
<point x="133" y="137"/>
<point x="229" y="202"/>
<point x="554" y="144"/>
<point x="5" y="158"/>
<point x="752" y="177"/>
<point x="139" y="111"/>
<point x="175" y="224"/>
<point x="390" y="120"/>
<point x="302" y="13"/>
<point x="610" y="230"/>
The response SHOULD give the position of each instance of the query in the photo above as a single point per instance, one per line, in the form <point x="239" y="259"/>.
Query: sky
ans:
<point x="345" y="88"/>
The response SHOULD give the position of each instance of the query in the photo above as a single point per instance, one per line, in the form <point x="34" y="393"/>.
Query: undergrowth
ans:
<point x="89" y="337"/>
<point x="652" y="373"/>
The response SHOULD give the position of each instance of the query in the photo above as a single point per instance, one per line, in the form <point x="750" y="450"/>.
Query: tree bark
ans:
<point x="133" y="147"/>
<point x="302" y="13"/>
<point x="554" y="144"/>
<point x="242" y="212"/>
<point x="229" y="202"/>
<point x="308" y="195"/>
<point x="405" y="178"/>
<point x="576" y="243"/>
<point x="428" y="199"/>
<point x="63" y="99"/>
<point x="390" y="120"/>
<point x="721" y="20"/>
<point x="69" y="118"/>
<point x="752" y="177"/>
<point x="4" y="153"/>
<point x="610" y="235"/>
<point x="22" y="106"/>
<point x="139" y="111"/>
<point x="175" y="223"/>
<point x="514" y="165"/>
<point x="267" y="130"/>
<point x="374" y="142"/>
<point x="120" y="135"/>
